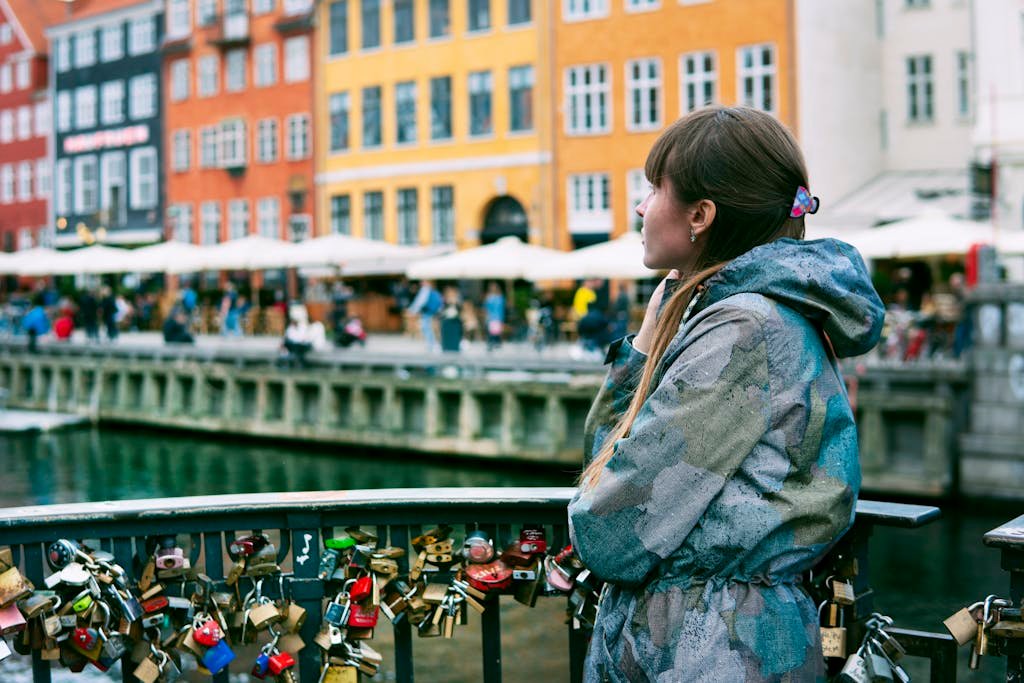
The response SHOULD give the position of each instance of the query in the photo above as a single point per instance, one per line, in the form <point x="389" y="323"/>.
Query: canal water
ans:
<point x="920" y="576"/>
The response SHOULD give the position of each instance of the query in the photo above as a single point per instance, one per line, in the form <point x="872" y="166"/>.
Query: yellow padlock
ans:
<point x="341" y="674"/>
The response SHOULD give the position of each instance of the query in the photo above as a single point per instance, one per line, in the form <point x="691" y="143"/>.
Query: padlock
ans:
<point x="5" y="650"/>
<point x="337" y="610"/>
<point x="842" y="591"/>
<point x="558" y="579"/>
<point x="362" y="617"/>
<point x="328" y="563"/>
<point x="157" y="604"/>
<point x="533" y="540"/>
<point x="262" y="562"/>
<point x="218" y="657"/>
<point x="294" y="618"/>
<point x="207" y="632"/>
<point x="61" y="552"/>
<point x="281" y="661"/>
<point x="323" y="637"/>
<point x="11" y="620"/>
<point x="148" y="671"/>
<point x="291" y="642"/>
<point x="337" y="673"/>
<point x="854" y="671"/>
<point x="169" y="558"/>
<point x="261" y="666"/>
<point x="833" y="635"/>
<point x="877" y="667"/>
<point x="343" y="543"/>
<point x="527" y="590"/>
<point x="39" y="602"/>
<point x="360" y="589"/>
<point x="14" y="587"/>
<point x="264" y="614"/>
<point x="86" y="640"/>
<point x="245" y="546"/>
<point x="962" y="625"/>
<point x="478" y="547"/>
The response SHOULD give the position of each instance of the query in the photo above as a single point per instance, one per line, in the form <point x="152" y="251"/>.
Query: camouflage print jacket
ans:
<point x="739" y="473"/>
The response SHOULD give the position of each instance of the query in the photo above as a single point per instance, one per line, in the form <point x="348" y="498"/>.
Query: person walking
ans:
<point x="88" y="313"/>
<point x="108" y="311"/>
<point x="722" y="457"/>
<point x="494" y="313"/>
<point x="35" y="323"/>
<point x="427" y="304"/>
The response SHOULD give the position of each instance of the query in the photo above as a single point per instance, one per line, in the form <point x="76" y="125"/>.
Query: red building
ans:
<point x="25" y="107"/>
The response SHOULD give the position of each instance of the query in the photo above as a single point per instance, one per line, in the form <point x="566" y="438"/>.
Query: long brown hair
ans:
<point x="750" y="166"/>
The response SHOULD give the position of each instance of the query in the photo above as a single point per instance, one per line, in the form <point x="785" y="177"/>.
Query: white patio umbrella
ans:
<point x="163" y="257"/>
<point x="341" y="250"/>
<point x="253" y="252"/>
<point x="929" y="234"/>
<point x="96" y="259"/>
<point x="15" y="261"/>
<point x="507" y="259"/>
<point x="619" y="259"/>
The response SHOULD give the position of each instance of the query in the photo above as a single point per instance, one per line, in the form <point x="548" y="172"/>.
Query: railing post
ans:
<point x="306" y="589"/>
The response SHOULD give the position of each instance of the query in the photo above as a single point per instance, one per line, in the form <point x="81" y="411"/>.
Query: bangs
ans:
<point x="658" y="158"/>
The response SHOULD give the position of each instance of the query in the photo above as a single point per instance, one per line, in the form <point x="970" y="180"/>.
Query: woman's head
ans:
<point x="724" y="180"/>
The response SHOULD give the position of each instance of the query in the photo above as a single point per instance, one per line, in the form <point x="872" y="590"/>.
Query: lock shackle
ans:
<point x="105" y="608"/>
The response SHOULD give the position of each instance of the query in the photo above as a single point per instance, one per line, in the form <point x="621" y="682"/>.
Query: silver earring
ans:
<point x="693" y="235"/>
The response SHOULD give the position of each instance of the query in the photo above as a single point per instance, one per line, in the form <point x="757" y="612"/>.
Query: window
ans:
<point x="296" y="59"/>
<point x="180" y="78"/>
<point x="85" y="48"/>
<point x="479" y="12"/>
<point x="141" y="36"/>
<point x="23" y="74"/>
<point x="520" y="97"/>
<point x="262" y="6"/>
<point x="6" y="126"/>
<point x="24" y="122"/>
<point x="442" y="214"/>
<point x="6" y="34"/>
<point x="643" y="94"/>
<point x="297" y="6"/>
<point x="574" y="10"/>
<point x="757" y="76"/>
<point x="338" y="28"/>
<point x="698" y="80"/>
<point x="405" y="112"/>
<point x="85" y="184"/>
<point x="919" y="88"/>
<point x="269" y="217"/>
<point x="588" y="90"/>
<point x="42" y="119"/>
<point x="63" y="111"/>
<point x="265" y="59"/>
<point x="208" y="147"/>
<point x="480" y="103"/>
<point x="441" y="108"/>
<point x="6" y="78"/>
<point x="25" y="181"/>
<point x="234" y="65"/>
<point x="209" y="67"/>
<point x="298" y="136"/>
<point x="373" y="215"/>
<point x="963" y="84"/>
<point x="405" y="26"/>
<point x="519" y="12"/>
<point x="62" y="52"/>
<point x="42" y="179"/>
<point x="6" y="184"/>
<point x="589" y="207"/>
<point x="370" y="21"/>
<point x="641" y="5"/>
<point x="85" y="107"/>
<point x="181" y="219"/>
<point x="113" y="188"/>
<point x="206" y="12"/>
<point x="179" y="20"/>
<point x="233" y="145"/>
<point x="238" y="218"/>
<point x="339" y="108"/>
<point x="637" y="189"/>
<point x="182" y="150"/>
<point x="62" y="197"/>
<point x="144" y="178"/>
<point x="440" y="18"/>
<point x="341" y="215"/>
<point x="210" y="217"/>
<point x="112" y="102"/>
<point x="916" y="3"/>
<point x="142" y="96"/>
<point x="266" y="141"/>
<point x="408" y="224"/>
<point x="371" y="116"/>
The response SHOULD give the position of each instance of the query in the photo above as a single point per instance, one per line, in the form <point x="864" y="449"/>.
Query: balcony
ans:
<point x="234" y="31"/>
<point x="295" y="23"/>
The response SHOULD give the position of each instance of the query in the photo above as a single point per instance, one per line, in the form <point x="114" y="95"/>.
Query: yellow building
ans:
<point x="432" y="120"/>
<point x="624" y="69"/>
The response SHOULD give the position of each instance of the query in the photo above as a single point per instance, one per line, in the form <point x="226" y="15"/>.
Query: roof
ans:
<point x="897" y="195"/>
<point x="77" y="10"/>
<point x="32" y="17"/>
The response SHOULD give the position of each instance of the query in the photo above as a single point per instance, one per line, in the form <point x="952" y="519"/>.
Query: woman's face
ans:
<point x="666" y="231"/>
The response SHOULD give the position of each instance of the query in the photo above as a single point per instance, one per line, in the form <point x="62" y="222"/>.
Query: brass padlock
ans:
<point x="962" y="625"/>
<point x="291" y="642"/>
<point x="833" y="636"/>
<point x="13" y="587"/>
<point x="263" y="615"/>
<point x="294" y="618"/>
<point x="148" y="671"/>
<point x="336" y="673"/>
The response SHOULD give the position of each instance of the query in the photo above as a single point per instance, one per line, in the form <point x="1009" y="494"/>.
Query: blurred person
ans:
<point x="88" y="314"/>
<point x="494" y="315"/>
<point x="427" y="305"/>
<point x="228" y="312"/>
<point x="108" y="311"/>
<point x="585" y="295"/>
<point x="64" y="325"/>
<point x="451" y="321"/>
<point x="36" y="322"/>
<point x="175" y="328"/>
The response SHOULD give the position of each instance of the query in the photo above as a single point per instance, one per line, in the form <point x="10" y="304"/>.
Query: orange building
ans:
<point x="624" y="69"/>
<point x="238" y="84"/>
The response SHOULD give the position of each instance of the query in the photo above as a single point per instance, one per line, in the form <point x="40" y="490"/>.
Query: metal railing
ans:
<point x="302" y="520"/>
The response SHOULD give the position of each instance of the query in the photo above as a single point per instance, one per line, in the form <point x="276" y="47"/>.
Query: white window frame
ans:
<point x="6" y="78"/>
<point x="268" y="148"/>
<point x="964" y="66"/>
<point x="297" y="6"/>
<point x="920" y="89"/>
<point x="296" y="59"/>
<point x="111" y="94"/>
<point x="442" y="218"/>
<point x="298" y="130"/>
<point x="264" y="65"/>
<point x="209" y="147"/>
<point x="41" y="120"/>
<point x="24" y="122"/>
<point x="62" y="53"/>
<point x="234" y="70"/>
<point x="43" y="179"/>
<point x="7" y="125"/>
<point x="7" y="183"/>
<point x="407" y="215"/>
<point x="233" y="145"/>
<point x="65" y="111"/>
<point x="755" y="73"/>
<point x="23" y="74"/>
<point x="698" y="81"/>
<point x="114" y="173"/>
<point x="208" y="76"/>
<point x="85" y="48"/>
<point x="210" y="220"/>
<point x="262" y="7"/>
<point x="480" y="84"/>
<point x="181" y="79"/>
<point x="405" y="104"/>
<point x="181" y="219"/>
<point x="594" y="97"/>
<point x="642" y="86"/>
<point x="141" y="36"/>
<point x="178" y="18"/>
<point x="112" y="42"/>
<point x="25" y="181"/>
<point x="142" y="96"/>
<point x="268" y="215"/>
<point x="86" y="192"/>
<point x="144" y="192"/>
<point x="62" y="199"/>
<point x="85" y="102"/>
<point x="589" y="203"/>
<point x="522" y="77"/>
<point x="181" y="150"/>
<point x="581" y="10"/>
<point x="206" y="12"/>
<point x="238" y="218"/>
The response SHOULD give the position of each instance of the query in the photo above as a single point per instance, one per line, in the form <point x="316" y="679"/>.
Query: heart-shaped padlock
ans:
<point x="208" y="633"/>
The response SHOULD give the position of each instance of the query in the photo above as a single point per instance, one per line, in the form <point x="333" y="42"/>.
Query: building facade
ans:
<point x="107" y="123"/>
<point x="433" y="121"/>
<point x="24" y="123"/>
<point x="239" y="124"/>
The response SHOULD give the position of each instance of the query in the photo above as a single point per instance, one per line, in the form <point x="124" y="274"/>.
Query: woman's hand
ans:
<point x="643" y="339"/>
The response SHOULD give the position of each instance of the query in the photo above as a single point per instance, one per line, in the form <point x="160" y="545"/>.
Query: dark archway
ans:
<point x="505" y="216"/>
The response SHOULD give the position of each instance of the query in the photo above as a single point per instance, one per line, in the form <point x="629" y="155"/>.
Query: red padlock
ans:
<point x="280" y="662"/>
<point x="155" y="604"/>
<point x="362" y="617"/>
<point x="360" y="589"/>
<point x="208" y="633"/>
<point x="533" y="540"/>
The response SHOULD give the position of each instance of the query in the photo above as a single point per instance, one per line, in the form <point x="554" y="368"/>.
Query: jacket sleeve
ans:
<point x="706" y="414"/>
<point x="613" y="397"/>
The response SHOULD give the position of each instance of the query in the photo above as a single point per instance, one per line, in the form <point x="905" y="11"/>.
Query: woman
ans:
<point x="722" y="452"/>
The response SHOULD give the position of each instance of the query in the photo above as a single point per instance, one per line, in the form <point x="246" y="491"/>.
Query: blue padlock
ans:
<point x="218" y="657"/>
<point x="262" y="665"/>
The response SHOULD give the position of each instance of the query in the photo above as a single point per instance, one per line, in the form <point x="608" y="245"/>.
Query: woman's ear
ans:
<point x="702" y="215"/>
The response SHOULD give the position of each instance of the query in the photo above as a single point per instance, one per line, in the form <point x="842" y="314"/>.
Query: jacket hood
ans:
<point x="824" y="280"/>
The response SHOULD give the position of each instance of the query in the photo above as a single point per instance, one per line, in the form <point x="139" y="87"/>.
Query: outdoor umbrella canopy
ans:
<point x="340" y="250"/>
<point x="253" y="252"/>
<point x="163" y="257"/>
<point x="13" y="263"/>
<point x="96" y="259"/>
<point x="619" y="259"/>
<point x="507" y="259"/>
<point x="928" y="234"/>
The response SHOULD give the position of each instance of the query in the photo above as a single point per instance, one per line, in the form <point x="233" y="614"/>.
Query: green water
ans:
<point x="920" y="576"/>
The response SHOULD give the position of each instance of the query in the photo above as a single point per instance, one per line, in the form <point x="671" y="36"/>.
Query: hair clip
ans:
<point x="803" y="203"/>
